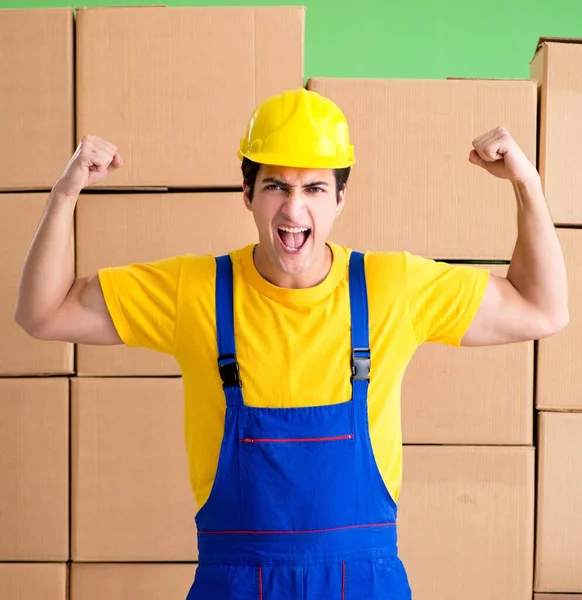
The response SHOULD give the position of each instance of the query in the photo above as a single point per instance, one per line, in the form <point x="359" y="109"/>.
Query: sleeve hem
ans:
<point x="114" y="308"/>
<point x="407" y="288"/>
<point x="178" y="310"/>
<point x="481" y="282"/>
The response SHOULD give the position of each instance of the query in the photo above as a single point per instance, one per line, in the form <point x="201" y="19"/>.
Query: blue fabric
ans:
<point x="360" y="325"/>
<point x="298" y="509"/>
<point x="225" y="327"/>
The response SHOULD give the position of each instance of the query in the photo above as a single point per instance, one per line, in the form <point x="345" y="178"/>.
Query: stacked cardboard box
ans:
<point x="467" y="503"/>
<point x="556" y="66"/>
<point x="116" y="581"/>
<point x="29" y="580"/>
<point x="413" y="187"/>
<point x="175" y="85"/>
<point x="19" y="353"/>
<point x="36" y="111"/>
<point x="36" y="104"/>
<point x="557" y="596"/>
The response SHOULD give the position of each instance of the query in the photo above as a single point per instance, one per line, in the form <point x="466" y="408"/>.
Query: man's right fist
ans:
<point x="93" y="159"/>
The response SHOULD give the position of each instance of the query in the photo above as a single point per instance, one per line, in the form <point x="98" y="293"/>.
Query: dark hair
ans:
<point x="250" y="170"/>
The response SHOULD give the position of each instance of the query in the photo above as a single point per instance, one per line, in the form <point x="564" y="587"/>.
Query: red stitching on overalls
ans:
<point x="343" y="581"/>
<point x="295" y="532"/>
<point x="335" y="438"/>
<point x="260" y="582"/>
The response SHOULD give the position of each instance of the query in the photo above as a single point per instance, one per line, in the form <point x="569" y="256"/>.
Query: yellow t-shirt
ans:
<point x="293" y="345"/>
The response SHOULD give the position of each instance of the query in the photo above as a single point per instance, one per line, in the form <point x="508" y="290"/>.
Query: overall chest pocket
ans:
<point x="297" y="483"/>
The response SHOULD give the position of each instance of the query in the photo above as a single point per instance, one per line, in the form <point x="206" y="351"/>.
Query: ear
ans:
<point x="246" y="197"/>
<point x="341" y="201"/>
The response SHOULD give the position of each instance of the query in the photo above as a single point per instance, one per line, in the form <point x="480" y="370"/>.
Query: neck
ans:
<point x="312" y="276"/>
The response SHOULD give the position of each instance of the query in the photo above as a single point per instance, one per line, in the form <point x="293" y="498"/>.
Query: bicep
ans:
<point x="83" y="318"/>
<point x="504" y="317"/>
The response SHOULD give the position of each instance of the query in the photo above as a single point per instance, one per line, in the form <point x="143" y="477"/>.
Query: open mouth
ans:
<point x="293" y="238"/>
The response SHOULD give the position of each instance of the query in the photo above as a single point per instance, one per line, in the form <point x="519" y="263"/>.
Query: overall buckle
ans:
<point x="361" y="362"/>
<point x="229" y="370"/>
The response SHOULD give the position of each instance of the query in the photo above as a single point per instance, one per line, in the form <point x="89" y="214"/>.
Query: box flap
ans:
<point x="488" y="79"/>
<point x="86" y="8"/>
<point x="556" y="40"/>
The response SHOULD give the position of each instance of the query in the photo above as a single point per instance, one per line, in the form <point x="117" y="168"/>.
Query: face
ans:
<point x="294" y="210"/>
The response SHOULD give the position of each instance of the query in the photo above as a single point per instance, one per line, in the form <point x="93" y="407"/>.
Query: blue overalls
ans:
<point x="298" y="510"/>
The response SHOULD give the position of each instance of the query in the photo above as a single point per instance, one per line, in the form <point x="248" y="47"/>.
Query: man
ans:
<point x="292" y="350"/>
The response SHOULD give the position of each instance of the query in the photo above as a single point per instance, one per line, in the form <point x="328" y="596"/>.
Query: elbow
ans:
<point x="33" y="328"/>
<point x="562" y="320"/>
<point x="555" y="323"/>
<point x="25" y="325"/>
<point x="20" y="319"/>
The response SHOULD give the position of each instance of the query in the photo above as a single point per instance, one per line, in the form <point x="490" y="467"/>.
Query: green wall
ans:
<point x="417" y="39"/>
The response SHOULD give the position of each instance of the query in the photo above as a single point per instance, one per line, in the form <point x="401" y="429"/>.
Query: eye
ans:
<point x="274" y="187"/>
<point x="316" y="189"/>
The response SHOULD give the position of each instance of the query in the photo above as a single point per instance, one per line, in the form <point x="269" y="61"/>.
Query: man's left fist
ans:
<point x="497" y="152"/>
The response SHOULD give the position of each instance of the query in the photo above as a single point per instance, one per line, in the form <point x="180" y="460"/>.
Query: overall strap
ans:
<point x="361" y="357"/>
<point x="224" y="309"/>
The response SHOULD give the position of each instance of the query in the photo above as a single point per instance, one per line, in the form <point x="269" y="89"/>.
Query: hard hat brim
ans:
<point x="298" y="162"/>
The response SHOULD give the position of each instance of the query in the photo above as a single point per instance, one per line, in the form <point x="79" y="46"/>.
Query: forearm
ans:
<point x="49" y="271"/>
<point x="537" y="268"/>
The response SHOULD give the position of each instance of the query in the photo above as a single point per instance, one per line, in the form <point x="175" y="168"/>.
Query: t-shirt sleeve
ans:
<point x="143" y="302"/>
<point x="443" y="298"/>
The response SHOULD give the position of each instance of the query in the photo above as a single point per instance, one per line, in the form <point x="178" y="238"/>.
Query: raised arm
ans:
<point x="532" y="301"/>
<point x="52" y="304"/>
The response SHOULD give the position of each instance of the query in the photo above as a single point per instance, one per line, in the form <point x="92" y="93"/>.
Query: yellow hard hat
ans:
<point x="298" y="128"/>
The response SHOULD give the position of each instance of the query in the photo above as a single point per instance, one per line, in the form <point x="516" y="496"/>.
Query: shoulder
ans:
<point x="376" y="263"/>
<point x="381" y="264"/>
<point x="406" y="273"/>
<point x="200" y="269"/>
<point x="413" y="269"/>
<point x="381" y="268"/>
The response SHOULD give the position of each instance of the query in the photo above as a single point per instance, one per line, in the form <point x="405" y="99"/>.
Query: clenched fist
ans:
<point x="498" y="153"/>
<point x="93" y="159"/>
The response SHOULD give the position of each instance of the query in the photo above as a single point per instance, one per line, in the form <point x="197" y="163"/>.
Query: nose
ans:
<point x="294" y="205"/>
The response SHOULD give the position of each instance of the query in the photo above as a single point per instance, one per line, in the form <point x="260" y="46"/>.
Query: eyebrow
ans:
<point x="284" y="183"/>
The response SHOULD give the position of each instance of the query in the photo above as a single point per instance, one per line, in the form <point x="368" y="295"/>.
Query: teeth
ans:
<point x="294" y="229"/>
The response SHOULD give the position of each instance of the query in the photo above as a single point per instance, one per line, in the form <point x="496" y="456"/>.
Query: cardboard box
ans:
<point x="556" y="66"/>
<point x="559" y="376"/>
<point x="466" y="522"/>
<point x="20" y="354"/>
<point x="174" y="88"/>
<point x="27" y="581"/>
<point x="557" y="597"/>
<point x="559" y="518"/>
<point x="131" y="497"/>
<point x="36" y="103"/>
<point x="131" y="582"/>
<point x="412" y="187"/>
<point x="123" y="229"/>
<point x="469" y="395"/>
<point x="34" y="470"/>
